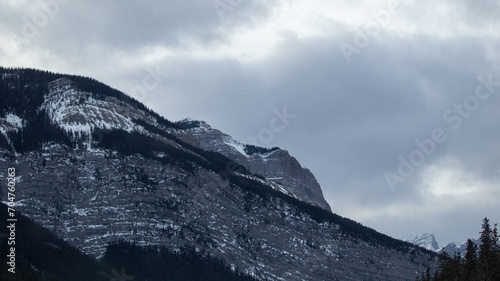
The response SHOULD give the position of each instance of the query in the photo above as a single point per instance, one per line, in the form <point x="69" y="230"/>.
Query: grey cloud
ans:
<point x="80" y="27"/>
<point x="480" y="12"/>
<point x="353" y="120"/>
<point x="363" y="114"/>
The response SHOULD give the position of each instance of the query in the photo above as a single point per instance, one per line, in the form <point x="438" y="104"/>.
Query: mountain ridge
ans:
<point x="272" y="163"/>
<point x="137" y="177"/>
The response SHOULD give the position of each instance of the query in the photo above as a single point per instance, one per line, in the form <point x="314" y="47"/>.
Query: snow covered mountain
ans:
<point x="461" y="247"/>
<point x="426" y="240"/>
<point x="95" y="167"/>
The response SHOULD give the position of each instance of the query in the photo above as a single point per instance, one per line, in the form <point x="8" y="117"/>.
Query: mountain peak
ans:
<point x="189" y="123"/>
<point x="424" y="240"/>
<point x="177" y="185"/>
<point x="274" y="164"/>
<point x="460" y="247"/>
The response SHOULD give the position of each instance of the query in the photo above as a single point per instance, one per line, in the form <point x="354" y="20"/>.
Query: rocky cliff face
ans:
<point x="274" y="164"/>
<point x="95" y="167"/>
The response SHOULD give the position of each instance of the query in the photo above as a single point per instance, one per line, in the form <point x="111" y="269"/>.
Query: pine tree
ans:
<point x="437" y="277"/>
<point x="456" y="266"/>
<point x="496" y="253"/>
<point x="470" y="266"/>
<point x="427" y="276"/>
<point x="445" y="267"/>
<point x="488" y="255"/>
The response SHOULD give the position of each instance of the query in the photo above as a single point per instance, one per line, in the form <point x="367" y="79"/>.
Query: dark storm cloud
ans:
<point x="71" y="28"/>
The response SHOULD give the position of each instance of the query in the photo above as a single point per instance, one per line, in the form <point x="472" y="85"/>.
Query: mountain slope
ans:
<point x="40" y="255"/>
<point x="97" y="167"/>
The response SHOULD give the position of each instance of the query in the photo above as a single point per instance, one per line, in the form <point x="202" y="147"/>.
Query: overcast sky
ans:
<point x="395" y="105"/>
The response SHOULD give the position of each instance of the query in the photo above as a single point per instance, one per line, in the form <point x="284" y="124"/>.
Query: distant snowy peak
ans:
<point x="460" y="247"/>
<point x="426" y="240"/>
